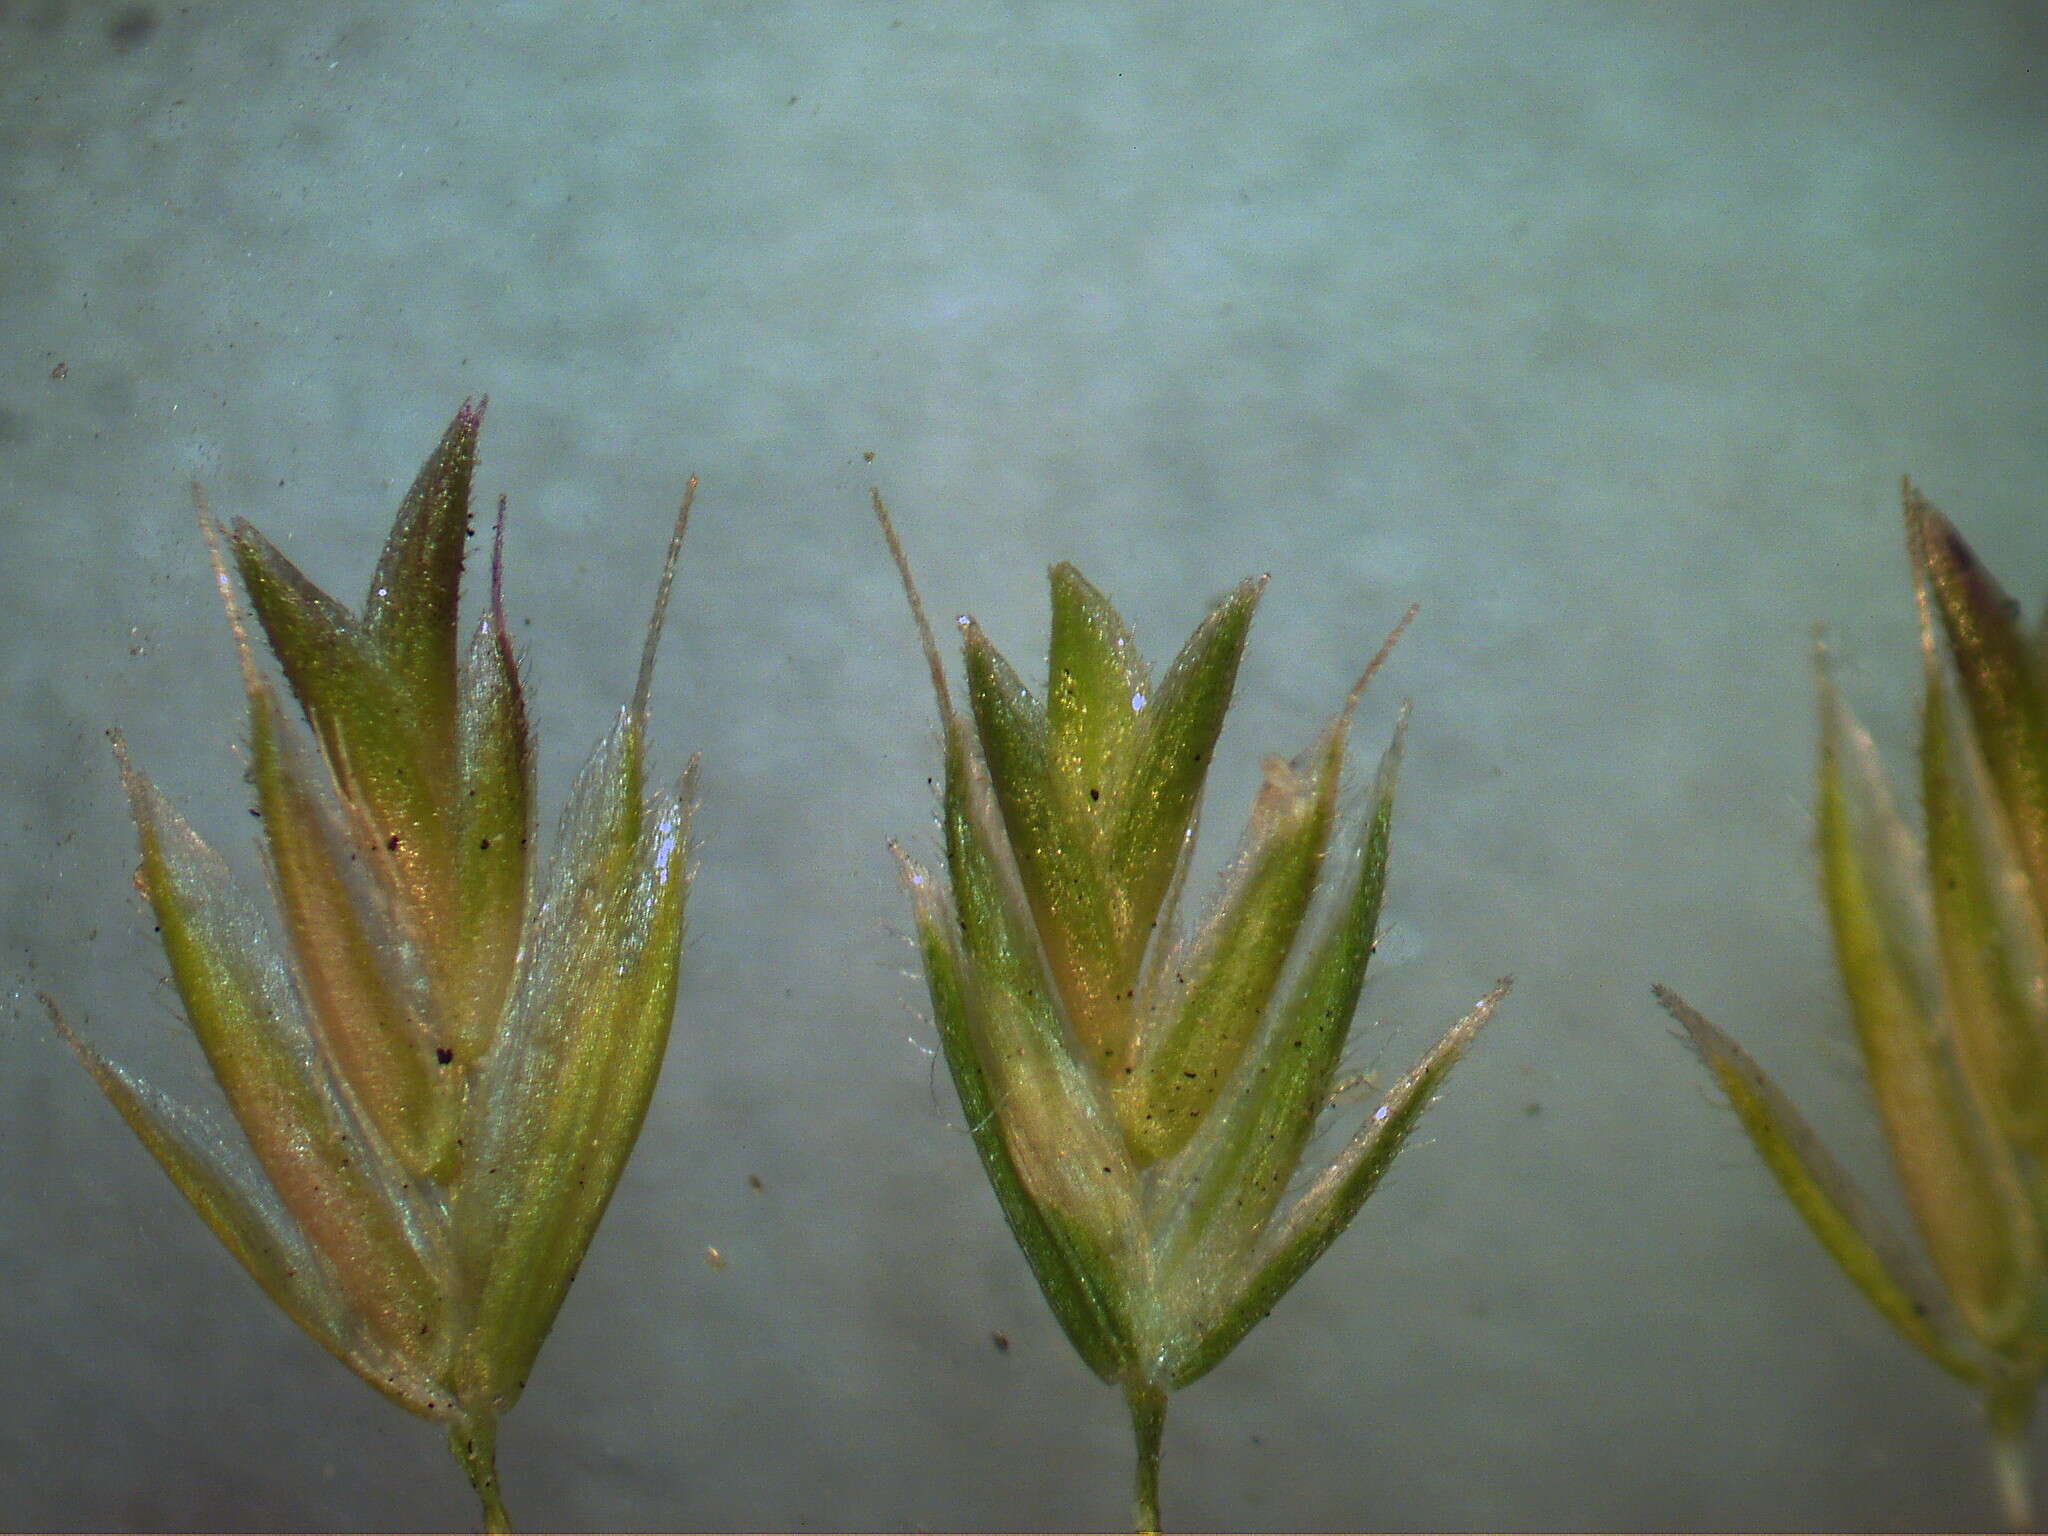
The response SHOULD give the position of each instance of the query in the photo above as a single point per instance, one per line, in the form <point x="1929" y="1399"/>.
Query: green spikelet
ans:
<point x="1942" y="943"/>
<point x="438" y="1054"/>
<point x="1142" y="1098"/>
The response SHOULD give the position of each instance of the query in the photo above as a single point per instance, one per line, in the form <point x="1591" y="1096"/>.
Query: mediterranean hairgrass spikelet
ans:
<point x="1942" y="943"/>
<point x="438" y="1055"/>
<point x="1143" y="1098"/>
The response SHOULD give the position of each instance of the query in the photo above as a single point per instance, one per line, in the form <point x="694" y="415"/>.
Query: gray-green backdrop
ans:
<point x="1603" y="332"/>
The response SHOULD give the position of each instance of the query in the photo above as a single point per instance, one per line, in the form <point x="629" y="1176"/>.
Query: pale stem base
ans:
<point x="2008" y="1405"/>
<point x="2015" y="1482"/>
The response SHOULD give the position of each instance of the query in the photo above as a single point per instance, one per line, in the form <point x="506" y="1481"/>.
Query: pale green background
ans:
<point x="1604" y="332"/>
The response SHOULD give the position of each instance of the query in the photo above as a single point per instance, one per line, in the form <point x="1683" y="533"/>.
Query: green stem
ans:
<point x="474" y="1442"/>
<point x="1148" y="1420"/>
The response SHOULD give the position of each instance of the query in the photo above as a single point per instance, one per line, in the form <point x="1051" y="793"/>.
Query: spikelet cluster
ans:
<point x="1143" y="1089"/>
<point x="438" y="1053"/>
<point x="1942" y="942"/>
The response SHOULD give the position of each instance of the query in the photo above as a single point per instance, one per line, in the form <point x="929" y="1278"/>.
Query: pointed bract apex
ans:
<point x="416" y="593"/>
<point x="936" y="667"/>
<point x="645" y="686"/>
<point x="1883" y="1266"/>
<point x="1379" y="659"/>
<point x="1999" y="670"/>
